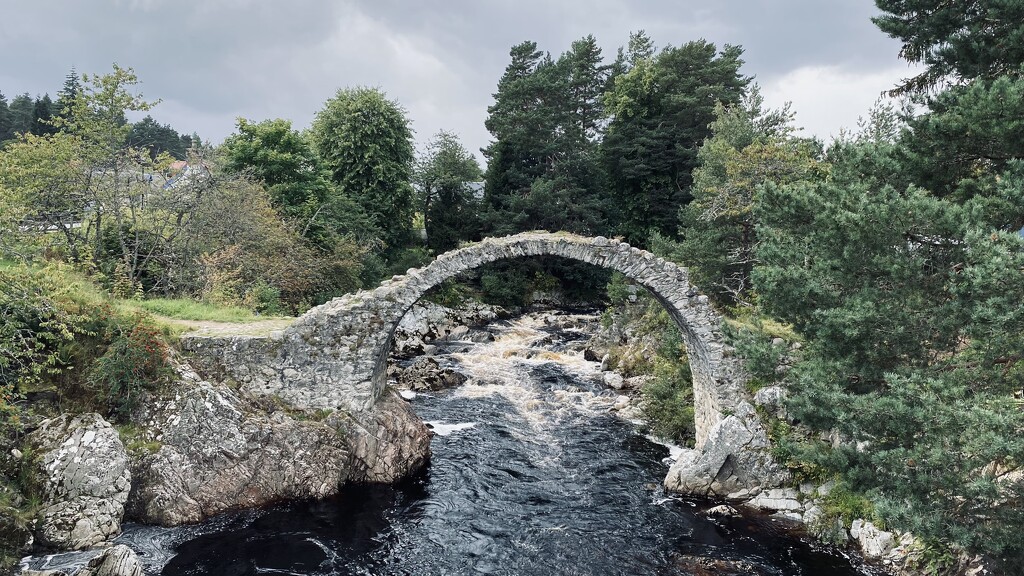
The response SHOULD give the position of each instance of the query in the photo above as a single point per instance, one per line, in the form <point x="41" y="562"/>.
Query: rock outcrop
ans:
<point x="118" y="560"/>
<point x="426" y="322"/>
<point x="387" y="444"/>
<point x="734" y="463"/>
<point x="220" y="451"/>
<point x="84" y="477"/>
<point x="426" y="374"/>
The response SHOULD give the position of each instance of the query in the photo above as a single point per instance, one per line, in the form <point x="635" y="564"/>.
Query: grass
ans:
<point x="185" y="309"/>
<point x="135" y="442"/>
<point x="764" y="325"/>
<point x="172" y="315"/>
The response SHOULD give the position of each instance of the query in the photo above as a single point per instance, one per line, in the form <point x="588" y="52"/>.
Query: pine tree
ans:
<point x="22" y="108"/>
<point x="68" y="95"/>
<point x="543" y="169"/>
<point x="955" y="41"/>
<point x="42" y="116"/>
<point x="660" y="111"/>
<point x="6" y="122"/>
<point x="750" y="147"/>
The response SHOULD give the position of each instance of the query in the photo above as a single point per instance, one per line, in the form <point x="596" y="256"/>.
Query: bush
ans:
<point x="667" y="401"/>
<point x="135" y="360"/>
<point x="264" y="299"/>
<point x="59" y="333"/>
<point x="40" y="316"/>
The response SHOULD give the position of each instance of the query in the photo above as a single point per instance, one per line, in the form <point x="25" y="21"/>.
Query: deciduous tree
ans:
<point x="443" y="176"/>
<point x="365" y="143"/>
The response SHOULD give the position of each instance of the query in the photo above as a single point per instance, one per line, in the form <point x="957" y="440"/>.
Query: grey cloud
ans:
<point x="213" y="60"/>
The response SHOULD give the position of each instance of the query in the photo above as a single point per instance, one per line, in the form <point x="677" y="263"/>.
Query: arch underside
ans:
<point x="375" y="315"/>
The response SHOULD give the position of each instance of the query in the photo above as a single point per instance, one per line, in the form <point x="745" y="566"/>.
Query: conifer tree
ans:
<point x="660" y="110"/>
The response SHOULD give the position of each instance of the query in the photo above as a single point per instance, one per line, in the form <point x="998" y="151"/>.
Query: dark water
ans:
<point x="539" y="479"/>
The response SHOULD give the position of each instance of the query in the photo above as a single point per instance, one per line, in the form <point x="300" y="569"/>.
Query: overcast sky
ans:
<point x="211" y="61"/>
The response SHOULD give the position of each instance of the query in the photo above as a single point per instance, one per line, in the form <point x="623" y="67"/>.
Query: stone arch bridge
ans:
<point x="334" y="356"/>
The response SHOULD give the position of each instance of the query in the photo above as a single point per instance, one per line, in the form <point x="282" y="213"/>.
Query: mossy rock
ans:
<point x="15" y="536"/>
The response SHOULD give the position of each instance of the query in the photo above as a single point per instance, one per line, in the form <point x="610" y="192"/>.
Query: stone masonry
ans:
<point x="333" y="357"/>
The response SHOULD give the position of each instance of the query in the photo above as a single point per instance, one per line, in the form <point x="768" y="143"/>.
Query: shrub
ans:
<point x="667" y="401"/>
<point x="135" y="360"/>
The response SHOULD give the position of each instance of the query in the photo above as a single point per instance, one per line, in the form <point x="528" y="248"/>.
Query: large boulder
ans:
<point x="118" y="560"/>
<point x="425" y="373"/>
<point x="426" y="322"/>
<point x="219" y="452"/>
<point x="387" y="444"/>
<point x="84" y="478"/>
<point x="734" y="463"/>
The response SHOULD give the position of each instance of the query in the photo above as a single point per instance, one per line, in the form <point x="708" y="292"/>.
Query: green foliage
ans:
<point x="955" y="41"/>
<point x="761" y="358"/>
<point x="10" y="413"/>
<point x="39" y="318"/>
<point x="365" y="142"/>
<point x="750" y="147"/>
<point x="61" y="334"/>
<point x="159" y="139"/>
<point x="263" y="298"/>
<point x="969" y="143"/>
<point x="135" y="441"/>
<point x="134" y="361"/>
<point x="910" y="306"/>
<point x="849" y="505"/>
<point x="21" y="109"/>
<point x="505" y="284"/>
<point x="543" y="170"/>
<point x="281" y="158"/>
<point x="451" y="293"/>
<point x="442" y="177"/>
<point x="660" y="111"/>
<point x="6" y="122"/>
<point x="667" y="400"/>
<point x="654" y="348"/>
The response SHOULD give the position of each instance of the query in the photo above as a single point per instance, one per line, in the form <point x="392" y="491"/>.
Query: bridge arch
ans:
<point x="335" y="355"/>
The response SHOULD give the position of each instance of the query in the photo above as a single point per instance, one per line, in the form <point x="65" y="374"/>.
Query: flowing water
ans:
<point x="531" y="474"/>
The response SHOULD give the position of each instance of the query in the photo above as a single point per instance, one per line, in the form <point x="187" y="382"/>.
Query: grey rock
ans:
<point x="85" y="478"/>
<point x="813" y="516"/>
<point x="613" y="380"/>
<point x="874" y="543"/>
<point x="220" y="452"/>
<point x="722" y="511"/>
<point x="118" y="560"/>
<point x="735" y="457"/>
<point x="772" y="399"/>
<point x="388" y="444"/>
<point x="425" y="373"/>
<point x="778" y="499"/>
<point x="637" y="382"/>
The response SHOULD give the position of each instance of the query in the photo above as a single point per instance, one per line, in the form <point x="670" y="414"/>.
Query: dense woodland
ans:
<point x="892" y="254"/>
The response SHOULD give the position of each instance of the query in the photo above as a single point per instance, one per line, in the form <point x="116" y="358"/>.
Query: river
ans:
<point x="532" y="473"/>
